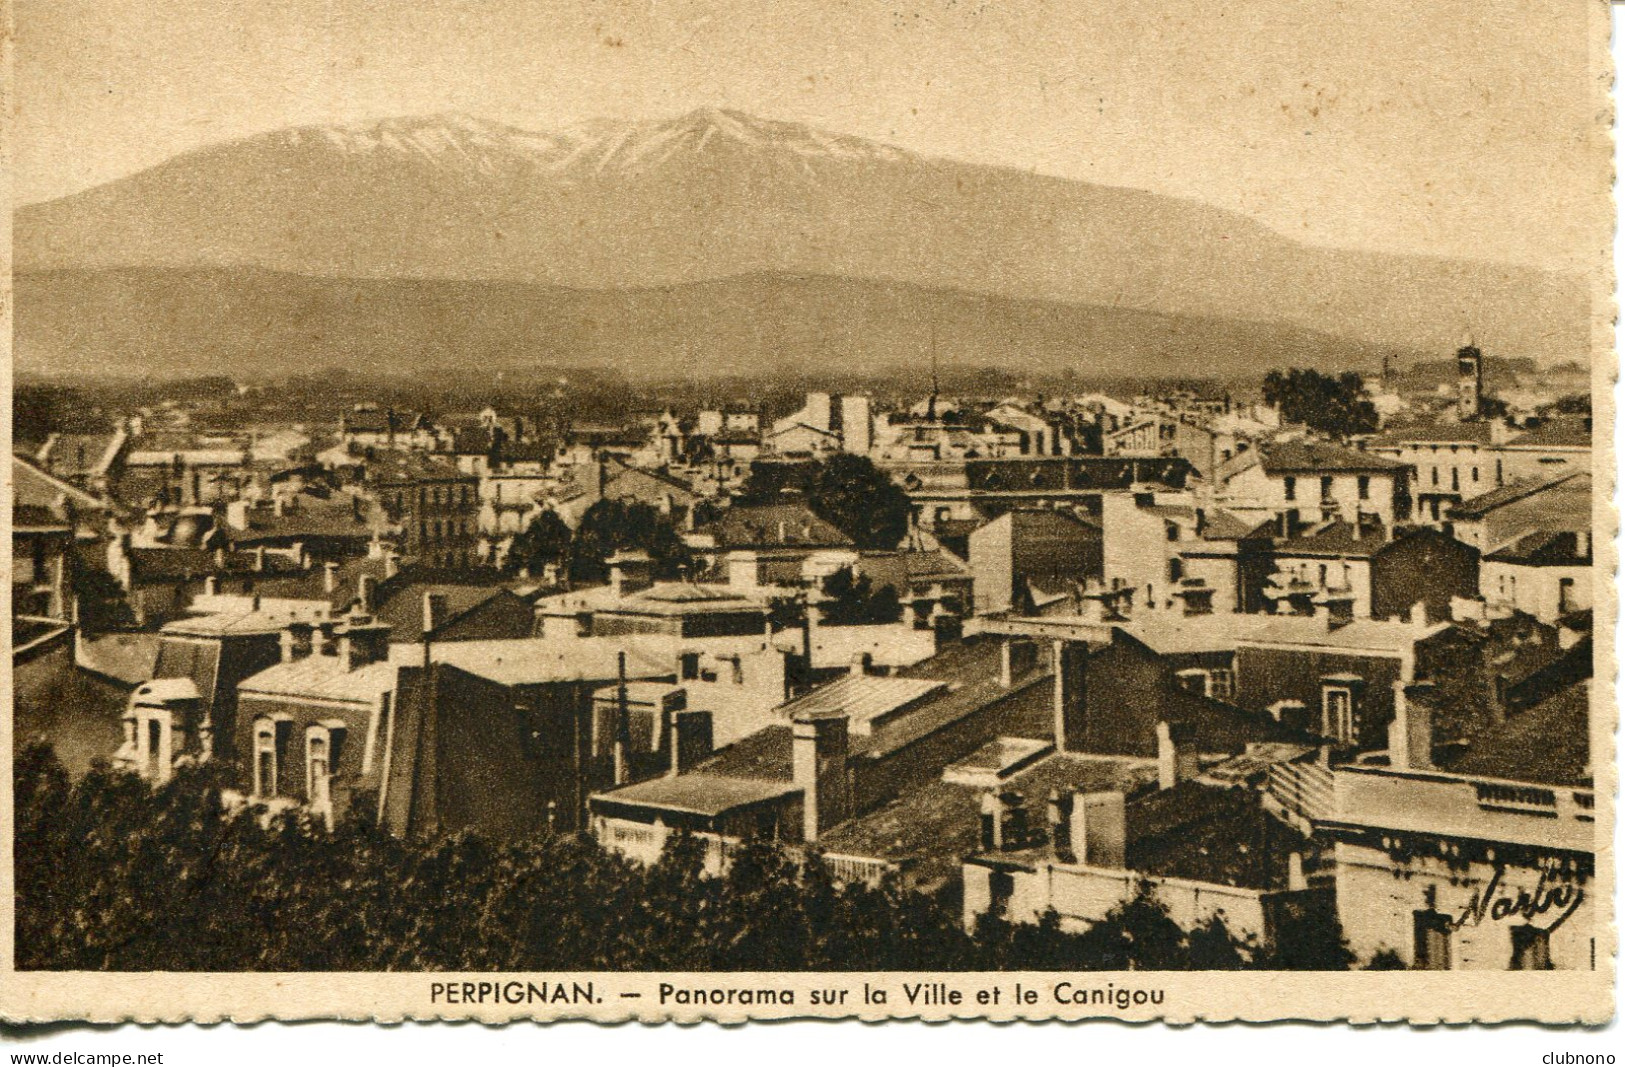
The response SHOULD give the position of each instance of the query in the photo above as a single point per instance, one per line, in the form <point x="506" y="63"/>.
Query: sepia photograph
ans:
<point x="604" y="509"/>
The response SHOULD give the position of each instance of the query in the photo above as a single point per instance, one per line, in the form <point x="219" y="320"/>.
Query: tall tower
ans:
<point x="1469" y="381"/>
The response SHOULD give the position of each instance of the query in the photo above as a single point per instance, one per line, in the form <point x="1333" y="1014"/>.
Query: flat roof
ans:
<point x="699" y="794"/>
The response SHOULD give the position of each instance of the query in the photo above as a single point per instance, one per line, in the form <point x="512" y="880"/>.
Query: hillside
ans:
<point x="256" y="323"/>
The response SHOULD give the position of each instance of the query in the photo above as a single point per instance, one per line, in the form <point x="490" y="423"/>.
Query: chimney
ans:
<point x="1058" y="813"/>
<point x="1295" y="881"/>
<point x="295" y="642"/>
<point x="628" y="573"/>
<point x="392" y="563"/>
<point x="1582" y="544"/>
<point x="220" y="558"/>
<point x="259" y="558"/>
<point x="622" y="772"/>
<point x="211" y="585"/>
<point x="819" y="757"/>
<point x="1410" y="735"/>
<point x="1099" y="829"/>
<point x="366" y="592"/>
<point x="434" y="611"/>
<point x="330" y="577"/>
<point x="1418" y="615"/>
<point x="690" y="740"/>
<point x="279" y="506"/>
<point x="992" y="821"/>
<point x="1176" y="755"/>
<point x="1016" y="658"/>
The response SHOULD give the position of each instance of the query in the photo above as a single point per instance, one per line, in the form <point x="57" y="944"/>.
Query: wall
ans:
<point x="1265" y="676"/>
<point x="1425" y="567"/>
<point x="1376" y="908"/>
<point x="993" y="565"/>
<point x="79" y="713"/>
<point x="876" y="780"/>
<point x="1535" y="590"/>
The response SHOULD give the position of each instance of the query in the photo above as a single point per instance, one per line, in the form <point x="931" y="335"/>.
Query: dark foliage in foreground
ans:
<point x="114" y="876"/>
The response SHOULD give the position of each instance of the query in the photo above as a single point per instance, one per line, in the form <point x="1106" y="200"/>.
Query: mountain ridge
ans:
<point x="716" y="194"/>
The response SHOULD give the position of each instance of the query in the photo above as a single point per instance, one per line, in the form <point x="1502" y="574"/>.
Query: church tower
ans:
<point x="1469" y="381"/>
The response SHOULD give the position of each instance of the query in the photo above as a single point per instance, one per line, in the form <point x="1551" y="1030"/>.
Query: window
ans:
<point x="1455" y="480"/>
<point x="1323" y="575"/>
<point x="1531" y="948"/>
<point x="1337" y="713"/>
<point x="265" y="784"/>
<point x="1363" y="483"/>
<point x="690" y="666"/>
<point x="1497" y="472"/>
<point x="317" y="766"/>
<point x="1291" y="487"/>
<point x="1435" y="475"/>
<point x="1475" y="475"/>
<point x="1221" y="683"/>
<point x="1176" y="570"/>
<point x="1326" y="488"/>
<point x="1565" y="595"/>
<point x="1172" y="532"/>
<point x="1431" y="947"/>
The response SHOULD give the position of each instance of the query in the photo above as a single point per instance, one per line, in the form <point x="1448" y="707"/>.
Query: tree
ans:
<point x="847" y="491"/>
<point x="1331" y="405"/>
<point x="611" y="526"/>
<point x="112" y="874"/>
<point x="856" y="602"/>
<point x="860" y="500"/>
<point x="545" y="541"/>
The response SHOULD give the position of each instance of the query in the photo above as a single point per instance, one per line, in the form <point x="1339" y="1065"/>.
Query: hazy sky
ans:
<point x="1456" y="128"/>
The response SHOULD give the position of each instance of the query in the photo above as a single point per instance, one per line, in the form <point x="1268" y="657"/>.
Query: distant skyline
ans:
<point x="1451" y="128"/>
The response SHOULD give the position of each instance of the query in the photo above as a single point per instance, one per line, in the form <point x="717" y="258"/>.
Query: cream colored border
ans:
<point x="1553" y="997"/>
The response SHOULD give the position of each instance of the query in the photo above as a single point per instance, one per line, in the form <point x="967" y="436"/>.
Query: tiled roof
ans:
<point x="933" y="827"/>
<point x="1481" y="505"/>
<point x="863" y="698"/>
<point x="397" y="467"/>
<point x="1558" y="433"/>
<point x="1221" y="525"/>
<point x="1478" y="433"/>
<point x="1336" y="538"/>
<point x="1545" y="549"/>
<point x="400" y="604"/>
<point x="1549" y="743"/>
<point x="321" y="677"/>
<point x="32" y="486"/>
<point x="765" y="754"/>
<point x="128" y="658"/>
<point x="699" y="793"/>
<point x="539" y="661"/>
<point x="774" y="526"/>
<point x="230" y="623"/>
<point x="1207" y="834"/>
<point x="167" y="564"/>
<point x="1319" y="456"/>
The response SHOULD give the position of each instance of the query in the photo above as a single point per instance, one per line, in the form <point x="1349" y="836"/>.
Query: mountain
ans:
<point x="717" y="194"/>
<point x="172" y="322"/>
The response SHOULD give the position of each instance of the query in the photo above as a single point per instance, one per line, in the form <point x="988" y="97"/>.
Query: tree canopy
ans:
<point x="854" y="601"/>
<point x="611" y="525"/>
<point x="847" y="491"/>
<point x="1332" y="405"/>
<point x="545" y="541"/>
<point x="114" y="875"/>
